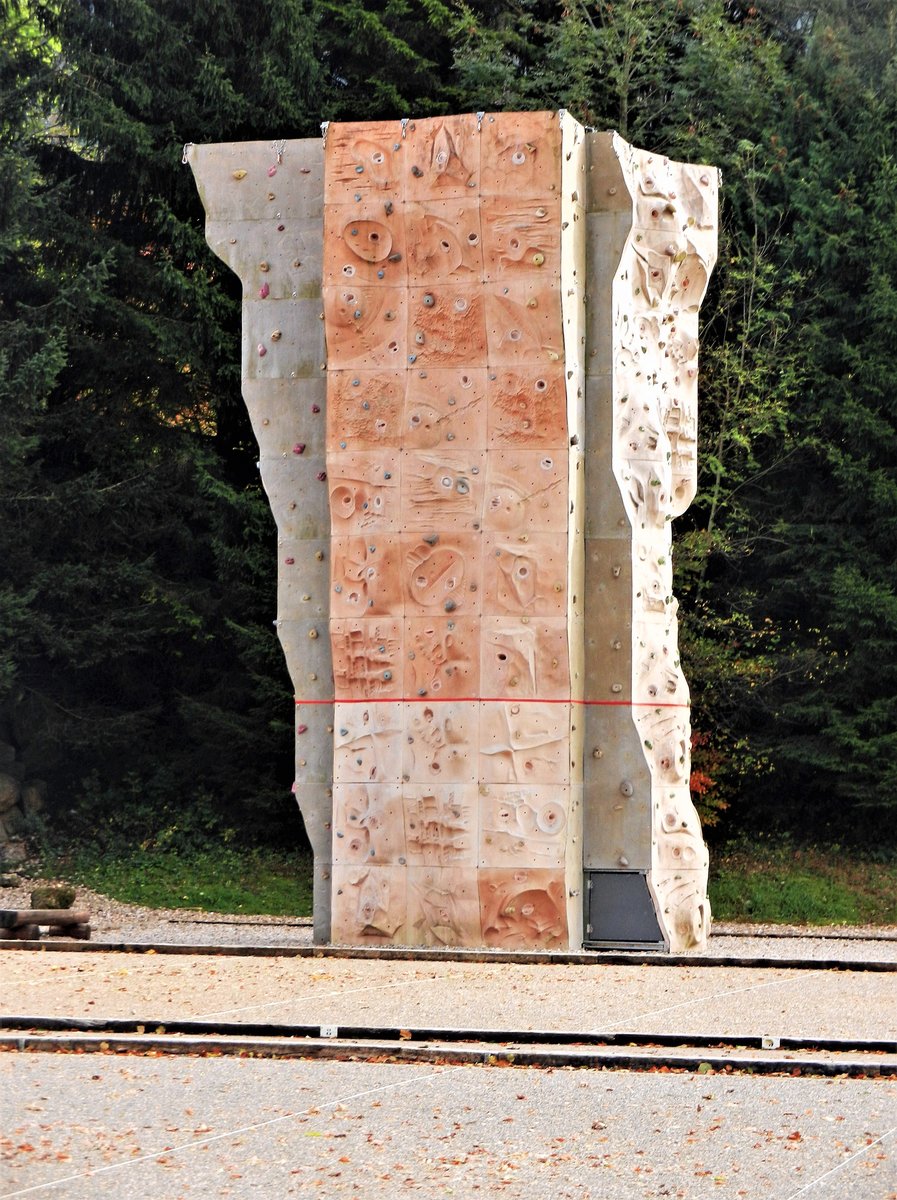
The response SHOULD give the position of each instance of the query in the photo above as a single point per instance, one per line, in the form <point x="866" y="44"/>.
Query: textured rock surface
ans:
<point x="476" y="508"/>
<point x="651" y="230"/>
<point x="450" y="494"/>
<point x="264" y="218"/>
<point x="52" y="896"/>
<point x="10" y="791"/>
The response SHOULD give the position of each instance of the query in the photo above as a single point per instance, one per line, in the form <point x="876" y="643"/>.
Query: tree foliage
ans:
<point x="139" y="669"/>
<point x="136" y="628"/>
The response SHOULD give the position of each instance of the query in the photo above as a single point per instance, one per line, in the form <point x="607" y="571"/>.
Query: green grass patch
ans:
<point x="764" y="881"/>
<point x="811" y="885"/>
<point x="221" y="880"/>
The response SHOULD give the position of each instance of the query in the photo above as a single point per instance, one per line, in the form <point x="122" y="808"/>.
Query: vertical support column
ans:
<point x="617" y="781"/>
<point x="264" y="206"/>
<point x="573" y="283"/>
<point x="652" y="245"/>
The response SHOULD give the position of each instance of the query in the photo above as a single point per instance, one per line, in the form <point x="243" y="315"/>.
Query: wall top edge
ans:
<point x="193" y="150"/>
<point x="399" y="124"/>
<point x="615" y="142"/>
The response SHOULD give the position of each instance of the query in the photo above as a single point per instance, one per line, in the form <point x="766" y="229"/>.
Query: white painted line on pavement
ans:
<point x="218" y="1137"/>
<point x="379" y="987"/>
<point x="655" y="1012"/>
<point x="859" y="1153"/>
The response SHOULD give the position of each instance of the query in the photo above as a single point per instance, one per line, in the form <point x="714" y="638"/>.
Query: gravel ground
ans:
<point x="113" y="921"/>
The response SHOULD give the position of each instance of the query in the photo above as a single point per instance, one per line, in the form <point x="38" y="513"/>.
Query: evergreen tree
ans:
<point x="834" y="565"/>
<point x="139" y="652"/>
<point x="384" y="58"/>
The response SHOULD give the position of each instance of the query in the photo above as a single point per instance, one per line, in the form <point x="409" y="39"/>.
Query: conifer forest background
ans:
<point x="140" y="674"/>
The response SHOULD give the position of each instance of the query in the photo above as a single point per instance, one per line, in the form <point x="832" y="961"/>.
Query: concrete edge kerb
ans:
<point x="450" y="1055"/>
<point x="456" y="954"/>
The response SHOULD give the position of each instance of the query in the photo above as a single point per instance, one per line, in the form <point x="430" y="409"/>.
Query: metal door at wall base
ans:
<point x="620" y="912"/>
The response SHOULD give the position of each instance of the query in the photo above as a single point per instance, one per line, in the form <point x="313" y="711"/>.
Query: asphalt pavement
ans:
<point x="75" y="1126"/>
<point x="85" y="1127"/>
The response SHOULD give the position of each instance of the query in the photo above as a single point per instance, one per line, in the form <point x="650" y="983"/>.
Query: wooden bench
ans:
<point x="23" y="924"/>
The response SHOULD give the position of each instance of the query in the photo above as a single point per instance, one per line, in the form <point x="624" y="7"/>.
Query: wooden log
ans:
<point x="77" y="931"/>
<point x="22" y="933"/>
<point x="11" y="918"/>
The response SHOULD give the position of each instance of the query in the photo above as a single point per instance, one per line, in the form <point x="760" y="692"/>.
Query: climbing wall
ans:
<point x="651" y="229"/>
<point x="264" y="217"/>
<point x="470" y="360"/>
<point x="450" y="500"/>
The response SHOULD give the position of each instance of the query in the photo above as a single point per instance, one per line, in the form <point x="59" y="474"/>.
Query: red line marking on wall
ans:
<point x="492" y="700"/>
